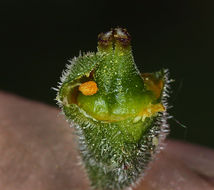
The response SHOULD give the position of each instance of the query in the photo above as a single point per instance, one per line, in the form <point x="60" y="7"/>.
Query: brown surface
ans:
<point x="38" y="152"/>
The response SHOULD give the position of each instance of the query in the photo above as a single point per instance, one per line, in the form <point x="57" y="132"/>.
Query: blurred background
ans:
<point x="37" y="39"/>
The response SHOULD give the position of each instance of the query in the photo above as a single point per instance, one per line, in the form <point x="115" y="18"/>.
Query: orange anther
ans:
<point x="88" y="88"/>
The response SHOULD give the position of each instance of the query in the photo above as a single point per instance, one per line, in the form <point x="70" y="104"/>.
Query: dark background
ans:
<point x="38" y="38"/>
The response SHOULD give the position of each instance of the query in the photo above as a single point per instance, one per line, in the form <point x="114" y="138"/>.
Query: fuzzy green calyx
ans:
<point x="117" y="110"/>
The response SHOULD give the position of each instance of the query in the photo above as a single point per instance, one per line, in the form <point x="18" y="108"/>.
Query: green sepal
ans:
<point x="113" y="157"/>
<point x="78" y="68"/>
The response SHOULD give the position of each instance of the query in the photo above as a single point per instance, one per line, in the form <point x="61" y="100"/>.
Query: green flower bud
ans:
<point x="119" y="114"/>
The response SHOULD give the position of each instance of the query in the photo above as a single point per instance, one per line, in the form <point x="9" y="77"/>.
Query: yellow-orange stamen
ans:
<point x="88" y="88"/>
<point x="153" y="84"/>
<point x="152" y="109"/>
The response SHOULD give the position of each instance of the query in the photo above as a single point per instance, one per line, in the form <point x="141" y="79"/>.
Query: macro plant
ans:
<point x="119" y="114"/>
